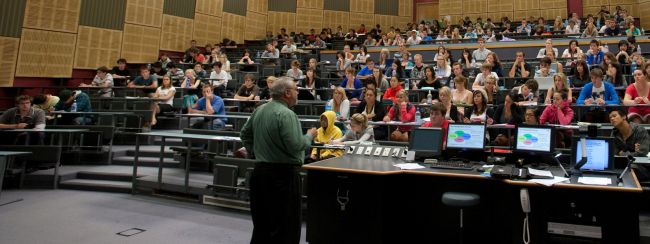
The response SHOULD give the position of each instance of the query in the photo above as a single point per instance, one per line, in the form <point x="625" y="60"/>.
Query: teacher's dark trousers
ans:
<point x="275" y="203"/>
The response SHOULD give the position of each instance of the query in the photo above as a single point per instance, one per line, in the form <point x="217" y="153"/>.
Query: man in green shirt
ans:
<point x="274" y="135"/>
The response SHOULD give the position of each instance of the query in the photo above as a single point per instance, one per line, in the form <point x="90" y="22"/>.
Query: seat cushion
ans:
<point x="460" y="199"/>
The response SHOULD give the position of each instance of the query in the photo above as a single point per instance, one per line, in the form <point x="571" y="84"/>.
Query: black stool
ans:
<point x="460" y="200"/>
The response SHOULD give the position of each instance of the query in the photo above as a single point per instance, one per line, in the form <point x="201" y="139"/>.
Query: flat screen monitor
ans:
<point x="600" y="156"/>
<point x="534" y="139"/>
<point x="466" y="136"/>
<point x="426" y="141"/>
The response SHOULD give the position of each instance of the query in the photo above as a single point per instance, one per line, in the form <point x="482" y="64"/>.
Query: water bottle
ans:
<point x="73" y="108"/>
<point x="452" y="84"/>
<point x="638" y="48"/>
<point x="406" y="85"/>
<point x="258" y="54"/>
<point x="633" y="66"/>
<point x="418" y="117"/>
<point x="429" y="98"/>
<point x="328" y="106"/>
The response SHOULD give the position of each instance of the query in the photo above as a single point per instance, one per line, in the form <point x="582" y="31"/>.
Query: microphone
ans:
<point x="630" y="161"/>
<point x="556" y="157"/>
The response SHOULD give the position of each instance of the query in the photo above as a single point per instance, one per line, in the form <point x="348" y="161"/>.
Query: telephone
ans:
<point x="525" y="206"/>
<point x="509" y="172"/>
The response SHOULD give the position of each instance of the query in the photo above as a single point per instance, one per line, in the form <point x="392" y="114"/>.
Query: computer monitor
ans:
<point x="426" y="142"/>
<point x="600" y="153"/>
<point x="466" y="136"/>
<point x="535" y="139"/>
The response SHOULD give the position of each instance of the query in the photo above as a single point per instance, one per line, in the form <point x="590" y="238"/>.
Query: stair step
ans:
<point x="105" y="176"/>
<point x="145" y="161"/>
<point x="154" y="153"/>
<point x="96" y="185"/>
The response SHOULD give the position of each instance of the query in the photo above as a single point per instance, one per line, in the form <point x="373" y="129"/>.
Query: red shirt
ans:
<point x="641" y="111"/>
<point x="391" y="93"/>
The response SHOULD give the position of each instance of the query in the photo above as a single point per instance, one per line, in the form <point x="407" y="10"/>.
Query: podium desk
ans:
<point x="383" y="204"/>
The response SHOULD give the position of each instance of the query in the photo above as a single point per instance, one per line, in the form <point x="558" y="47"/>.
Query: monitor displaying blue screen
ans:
<point x="536" y="139"/>
<point x="597" y="154"/>
<point x="466" y="136"/>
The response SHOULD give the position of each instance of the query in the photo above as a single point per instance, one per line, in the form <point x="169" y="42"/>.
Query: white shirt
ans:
<point x="164" y="92"/>
<point x="480" y="80"/>
<point x="574" y="30"/>
<point x="222" y="76"/>
<point x="108" y="80"/>
<point x="413" y="41"/>
<point x="542" y="52"/>
<point x="344" y="108"/>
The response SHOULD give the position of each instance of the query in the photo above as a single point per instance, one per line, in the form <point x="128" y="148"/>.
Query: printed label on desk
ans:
<point x="396" y="152"/>
<point x="377" y="151"/>
<point x="575" y="230"/>
<point x="369" y="151"/>
<point x="351" y="149"/>
<point x="360" y="150"/>
<point x="386" y="152"/>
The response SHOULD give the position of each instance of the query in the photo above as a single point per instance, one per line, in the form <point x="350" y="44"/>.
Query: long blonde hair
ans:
<point x="397" y="107"/>
<point x="335" y="104"/>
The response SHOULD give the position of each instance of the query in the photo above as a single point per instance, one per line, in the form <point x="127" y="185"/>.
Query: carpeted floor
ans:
<point x="68" y="216"/>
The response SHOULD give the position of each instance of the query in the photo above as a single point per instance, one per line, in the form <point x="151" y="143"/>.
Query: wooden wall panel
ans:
<point x="519" y="15"/>
<point x="258" y="6"/>
<point x="362" y="6"/>
<point x="495" y="6"/>
<point x="233" y="25"/>
<point x="210" y="7"/>
<point x="45" y="54"/>
<point x="207" y="29"/>
<point x="336" y="18"/>
<point x="644" y="10"/>
<point x="450" y="7"/>
<point x="474" y="7"/>
<point x="401" y="22"/>
<point x="144" y="12"/>
<point x="176" y="33"/>
<point x="526" y="5"/>
<point x="310" y="19"/>
<point x="316" y="4"/>
<point x="546" y="4"/>
<point x="8" y="58"/>
<point x="356" y="19"/>
<point x="138" y="47"/>
<point x="595" y="2"/>
<point x="386" y="21"/>
<point x="255" y="25"/>
<point x="97" y="47"/>
<point x="496" y="17"/>
<point x="552" y="13"/>
<point x="406" y="8"/>
<point x="278" y="20"/>
<point x="55" y="15"/>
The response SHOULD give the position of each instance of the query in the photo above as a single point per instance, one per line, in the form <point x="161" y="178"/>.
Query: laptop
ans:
<point x="544" y="83"/>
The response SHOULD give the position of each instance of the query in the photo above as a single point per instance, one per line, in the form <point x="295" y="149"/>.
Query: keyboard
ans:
<point x="452" y="164"/>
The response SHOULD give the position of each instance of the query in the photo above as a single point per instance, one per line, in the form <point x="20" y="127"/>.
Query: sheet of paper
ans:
<point x="603" y="181"/>
<point x="543" y="173"/>
<point x="549" y="182"/>
<point x="409" y="166"/>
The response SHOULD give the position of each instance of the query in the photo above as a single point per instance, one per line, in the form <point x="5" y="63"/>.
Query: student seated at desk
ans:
<point x="367" y="72"/>
<point x="479" y="112"/>
<point x="75" y="101"/>
<point x="102" y="79"/>
<point x="23" y="116"/>
<point x="246" y="59"/>
<point x="194" y="88"/>
<point x="175" y="73"/>
<point x="352" y="84"/>
<point x="630" y="138"/>
<point x="340" y="104"/>
<point x="165" y="92"/>
<point x="145" y="80"/>
<point x="326" y="134"/>
<point x="209" y="104"/>
<point x="120" y="71"/>
<point x="265" y="93"/>
<point x="560" y="84"/>
<point x="391" y="92"/>
<point x="46" y="102"/>
<point x="402" y="111"/>
<point x="597" y="92"/>
<point x="486" y="70"/>
<point x="312" y="83"/>
<point x="295" y="73"/>
<point x="374" y="111"/>
<point x="528" y="92"/>
<point x="638" y="93"/>
<point x="218" y="78"/>
<point x="248" y="91"/>
<point x="559" y="113"/>
<point x="437" y="118"/>
<point x="359" y="131"/>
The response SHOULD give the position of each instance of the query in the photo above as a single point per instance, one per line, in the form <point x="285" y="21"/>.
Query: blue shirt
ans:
<point x="365" y="71"/>
<point x="595" y="59"/>
<point x="217" y="105"/>
<point x="357" y="86"/>
<point x="139" y="81"/>
<point x="82" y="100"/>
<point x="609" y="96"/>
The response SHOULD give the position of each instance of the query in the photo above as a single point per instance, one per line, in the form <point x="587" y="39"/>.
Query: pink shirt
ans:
<point x="641" y="111"/>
